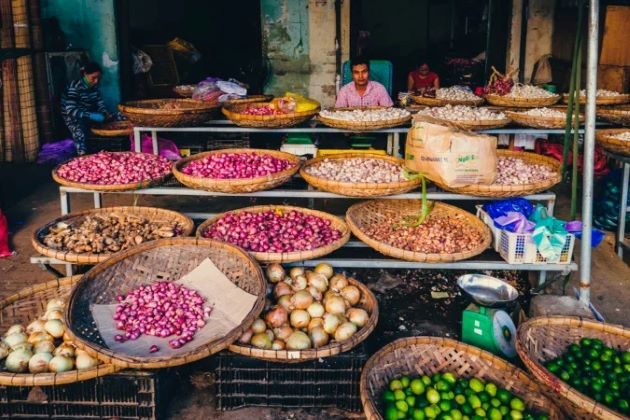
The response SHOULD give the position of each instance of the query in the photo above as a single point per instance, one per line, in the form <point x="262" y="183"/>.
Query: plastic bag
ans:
<point x="56" y="152"/>
<point x="549" y="234"/>
<point x="207" y="91"/>
<point x="542" y="71"/>
<point x="142" y="62"/>
<point x="302" y="104"/>
<point x="502" y="207"/>
<point x="575" y="227"/>
<point x="232" y="88"/>
<point x="166" y="148"/>
<point x="5" y="251"/>
<point x="514" y="222"/>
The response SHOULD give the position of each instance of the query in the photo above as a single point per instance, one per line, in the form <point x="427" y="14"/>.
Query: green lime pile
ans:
<point x="443" y="396"/>
<point x="596" y="370"/>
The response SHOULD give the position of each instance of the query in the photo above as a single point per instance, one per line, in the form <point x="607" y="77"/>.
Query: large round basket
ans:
<point x="163" y="260"/>
<point x="497" y="190"/>
<point x="353" y="189"/>
<point x="241" y="185"/>
<point x="168" y="112"/>
<point x="113" y="129"/>
<point x="513" y="102"/>
<point x="28" y="305"/>
<point x="361" y="125"/>
<point x="609" y="141"/>
<point x="286" y="257"/>
<point x="109" y="187"/>
<point x="250" y="99"/>
<point x="150" y="213"/>
<point x="616" y="115"/>
<point x="602" y="100"/>
<point x="534" y="121"/>
<point x="465" y="124"/>
<point x="542" y="339"/>
<point x="235" y="114"/>
<point x="374" y="212"/>
<point x="368" y="303"/>
<point x="433" y="101"/>
<point x="431" y="355"/>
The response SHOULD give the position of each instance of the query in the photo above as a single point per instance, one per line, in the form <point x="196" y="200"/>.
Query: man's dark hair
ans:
<point x="357" y="61"/>
<point x="91" y="67"/>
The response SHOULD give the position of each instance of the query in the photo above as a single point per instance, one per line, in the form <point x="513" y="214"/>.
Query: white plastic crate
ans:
<point x="519" y="248"/>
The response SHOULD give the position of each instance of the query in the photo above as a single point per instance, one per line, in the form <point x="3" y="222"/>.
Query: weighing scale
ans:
<point x="486" y="324"/>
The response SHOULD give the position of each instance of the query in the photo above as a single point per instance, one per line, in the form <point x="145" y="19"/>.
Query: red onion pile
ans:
<point x="236" y="166"/>
<point x="273" y="231"/>
<point x="262" y="110"/>
<point x="161" y="309"/>
<point x="108" y="168"/>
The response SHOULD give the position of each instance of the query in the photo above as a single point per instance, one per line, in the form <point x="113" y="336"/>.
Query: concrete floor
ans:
<point x="30" y="199"/>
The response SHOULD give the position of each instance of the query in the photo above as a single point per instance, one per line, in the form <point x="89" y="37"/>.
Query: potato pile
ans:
<point x="107" y="233"/>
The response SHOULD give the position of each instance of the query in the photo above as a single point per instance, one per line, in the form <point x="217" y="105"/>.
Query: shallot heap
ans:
<point x="115" y="168"/>
<point x="273" y="231"/>
<point x="161" y="309"/>
<point x="236" y="166"/>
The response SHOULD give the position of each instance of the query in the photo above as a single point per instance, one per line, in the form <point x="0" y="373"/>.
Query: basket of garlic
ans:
<point x="35" y="350"/>
<point x="364" y="118"/>
<point x="453" y="95"/>
<point x="464" y="117"/>
<point x="616" y="115"/>
<point x="541" y="117"/>
<point x="602" y="97"/>
<point x="523" y="96"/>
<point x="616" y="140"/>
<point x="311" y="314"/>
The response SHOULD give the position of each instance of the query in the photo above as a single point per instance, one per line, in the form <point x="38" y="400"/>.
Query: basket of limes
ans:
<point x="429" y="377"/>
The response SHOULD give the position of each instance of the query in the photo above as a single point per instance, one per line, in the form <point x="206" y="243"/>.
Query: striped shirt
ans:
<point x="375" y="95"/>
<point x="79" y="100"/>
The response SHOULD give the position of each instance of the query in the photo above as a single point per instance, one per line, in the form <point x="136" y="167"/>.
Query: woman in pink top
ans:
<point x="362" y="91"/>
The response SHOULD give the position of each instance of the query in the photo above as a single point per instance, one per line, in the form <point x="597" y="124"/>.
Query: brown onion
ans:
<point x="331" y="323"/>
<point x="358" y="316"/>
<point x="325" y="269"/>
<point x="300" y="318"/>
<point x="351" y="294"/>
<point x="296" y="271"/>
<point x="315" y="322"/>
<point x="336" y="305"/>
<point x="317" y="295"/>
<point x="345" y="331"/>
<point x="278" y="345"/>
<point x="298" y="341"/>
<point x="259" y="326"/>
<point x="282" y="289"/>
<point x="301" y="299"/>
<point x="275" y="273"/>
<point x="285" y="302"/>
<point x="319" y="337"/>
<point x="261" y="341"/>
<point x="338" y="282"/>
<point x="299" y="283"/>
<point x="317" y="280"/>
<point x="316" y="310"/>
<point x="283" y="332"/>
<point x="246" y="337"/>
<point x="276" y="317"/>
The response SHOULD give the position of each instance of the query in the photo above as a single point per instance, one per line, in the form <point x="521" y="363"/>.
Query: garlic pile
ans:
<point x="311" y="309"/>
<point x="623" y="136"/>
<point x="462" y="113"/>
<point x="602" y="92"/>
<point x="529" y="91"/>
<point x="357" y="170"/>
<point x="515" y="171"/>
<point x="366" y="115"/>
<point x="545" y="112"/>
<point x="455" y="93"/>
<point x="43" y="345"/>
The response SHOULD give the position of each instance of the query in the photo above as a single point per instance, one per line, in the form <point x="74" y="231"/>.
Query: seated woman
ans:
<point x="423" y="80"/>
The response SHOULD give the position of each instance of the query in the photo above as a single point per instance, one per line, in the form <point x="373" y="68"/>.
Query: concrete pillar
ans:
<point x="322" y="52"/>
<point x="513" y="55"/>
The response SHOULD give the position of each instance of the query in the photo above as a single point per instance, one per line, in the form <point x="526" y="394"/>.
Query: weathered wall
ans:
<point x="91" y="25"/>
<point x="299" y="46"/>
<point x="539" y="33"/>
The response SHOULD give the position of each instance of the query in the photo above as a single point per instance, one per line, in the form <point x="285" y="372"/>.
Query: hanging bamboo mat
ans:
<point x="21" y="27"/>
<point x="28" y="108"/>
<point x="34" y="15"/>
<point x="6" y="25"/>
<point x="13" y="146"/>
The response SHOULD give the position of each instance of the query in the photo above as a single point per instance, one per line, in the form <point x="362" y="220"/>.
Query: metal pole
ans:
<point x="623" y="210"/>
<point x="589" y="152"/>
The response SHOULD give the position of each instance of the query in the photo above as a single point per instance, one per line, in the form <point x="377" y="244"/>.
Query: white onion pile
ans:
<point x="623" y="136"/>
<point x="545" y="112"/>
<point x="515" y="171"/>
<point x="43" y="345"/>
<point x="366" y="115"/>
<point x="529" y="91"/>
<point x="602" y="93"/>
<point x="357" y="170"/>
<point x="462" y="113"/>
<point x="311" y="309"/>
<point x="455" y="93"/>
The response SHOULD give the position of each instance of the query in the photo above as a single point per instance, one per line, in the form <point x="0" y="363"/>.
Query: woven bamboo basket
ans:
<point x="28" y="305"/>
<point x="237" y="185"/>
<point x="526" y="120"/>
<point x="616" y="115"/>
<point x="167" y="112"/>
<point x="602" y="100"/>
<point x="430" y="355"/>
<point x="352" y="189"/>
<point x="106" y="187"/>
<point x="611" y="143"/>
<point x="368" y="302"/>
<point x="113" y="129"/>
<point x="150" y="213"/>
<point x="496" y="190"/>
<point x="185" y="91"/>
<point x="511" y="102"/>
<point x="163" y="260"/>
<point x="544" y="338"/>
<point x="465" y="124"/>
<point x="250" y="99"/>
<point x="286" y="257"/>
<point x="234" y="113"/>
<point x="375" y="212"/>
<point x="430" y="101"/>
<point x="362" y="125"/>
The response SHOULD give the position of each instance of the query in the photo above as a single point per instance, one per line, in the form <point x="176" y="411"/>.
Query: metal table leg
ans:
<point x="136" y="140"/>
<point x="64" y="198"/>
<point x="623" y="209"/>
<point x="98" y="200"/>
<point x="154" y="142"/>
<point x="396" y="151"/>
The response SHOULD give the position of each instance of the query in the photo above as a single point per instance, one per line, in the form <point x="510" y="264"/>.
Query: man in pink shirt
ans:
<point x="362" y="91"/>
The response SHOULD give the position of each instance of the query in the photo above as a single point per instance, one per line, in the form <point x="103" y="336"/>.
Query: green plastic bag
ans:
<point x="549" y="234"/>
